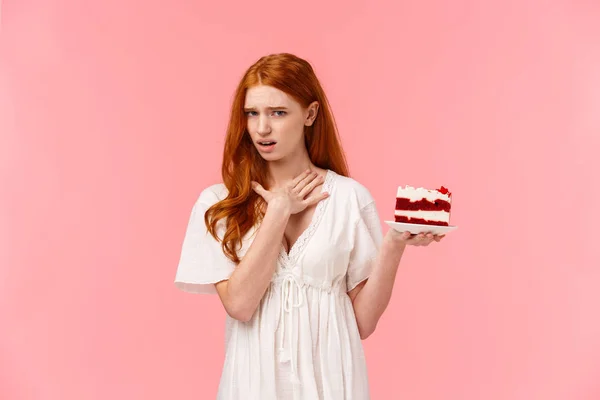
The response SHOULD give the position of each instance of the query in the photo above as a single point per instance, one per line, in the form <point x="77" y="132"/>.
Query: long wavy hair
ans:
<point x="242" y="207"/>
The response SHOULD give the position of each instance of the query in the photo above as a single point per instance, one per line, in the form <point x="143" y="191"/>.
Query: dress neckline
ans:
<point x="290" y="257"/>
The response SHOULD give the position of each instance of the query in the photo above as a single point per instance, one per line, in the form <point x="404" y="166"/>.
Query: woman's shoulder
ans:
<point x="351" y="189"/>
<point x="212" y="194"/>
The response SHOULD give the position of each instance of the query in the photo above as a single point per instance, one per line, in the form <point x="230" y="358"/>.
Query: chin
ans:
<point x="271" y="157"/>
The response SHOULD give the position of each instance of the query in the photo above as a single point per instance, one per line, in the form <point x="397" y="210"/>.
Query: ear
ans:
<point x="312" y="111"/>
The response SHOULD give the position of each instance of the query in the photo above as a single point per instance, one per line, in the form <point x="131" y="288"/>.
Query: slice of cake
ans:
<point x="423" y="206"/>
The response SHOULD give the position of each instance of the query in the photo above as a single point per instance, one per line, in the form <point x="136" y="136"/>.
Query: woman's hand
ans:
<point x="406" y="238"/>
<point x="293" y="195"/>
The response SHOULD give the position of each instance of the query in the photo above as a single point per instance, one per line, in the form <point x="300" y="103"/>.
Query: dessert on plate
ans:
<point x="423" y="206"/>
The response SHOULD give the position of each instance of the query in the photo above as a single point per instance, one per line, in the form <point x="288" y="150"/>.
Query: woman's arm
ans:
<point x="242" y="292"/>
<point x="372" y="296"/>
<point x="244" y="289"/>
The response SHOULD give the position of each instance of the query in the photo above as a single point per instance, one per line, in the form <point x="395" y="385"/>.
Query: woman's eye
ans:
<point x="276" y="113"/>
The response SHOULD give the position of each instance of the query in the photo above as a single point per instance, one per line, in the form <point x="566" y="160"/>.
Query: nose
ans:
<point x="263" y="128"/>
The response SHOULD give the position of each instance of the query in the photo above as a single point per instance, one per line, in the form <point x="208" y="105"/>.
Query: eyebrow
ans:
<point x="268" y="108"/>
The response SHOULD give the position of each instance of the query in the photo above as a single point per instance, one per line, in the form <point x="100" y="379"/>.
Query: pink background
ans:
<point x="112" y="121"/>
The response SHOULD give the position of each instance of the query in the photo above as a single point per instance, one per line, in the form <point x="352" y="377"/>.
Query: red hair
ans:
<point x="241" y="161"/>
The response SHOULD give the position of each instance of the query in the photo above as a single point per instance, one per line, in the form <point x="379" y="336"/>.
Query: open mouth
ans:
<point x="267" y="143"/>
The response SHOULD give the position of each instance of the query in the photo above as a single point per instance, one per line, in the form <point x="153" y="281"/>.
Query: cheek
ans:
<point x="251" y="128"/>
<point x="294" y="130"/>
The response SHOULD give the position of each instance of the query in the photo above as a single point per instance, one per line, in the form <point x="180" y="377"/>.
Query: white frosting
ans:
<point x="416" y="194"/>
<point x="443" y="216"/>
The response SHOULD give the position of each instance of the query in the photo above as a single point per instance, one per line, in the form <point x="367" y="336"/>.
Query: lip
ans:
<point x="266" y="149"/>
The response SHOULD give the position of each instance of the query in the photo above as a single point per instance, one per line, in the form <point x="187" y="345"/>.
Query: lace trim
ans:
<point x="300" y="244"/>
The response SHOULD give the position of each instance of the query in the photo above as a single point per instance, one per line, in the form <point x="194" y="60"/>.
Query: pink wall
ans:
<point x="112" y="121"/>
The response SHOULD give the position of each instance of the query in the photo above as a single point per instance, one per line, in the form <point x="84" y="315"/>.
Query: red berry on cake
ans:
<point x="443" y="190"/>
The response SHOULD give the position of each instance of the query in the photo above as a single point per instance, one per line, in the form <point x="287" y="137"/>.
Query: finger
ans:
<point x="315" y="199"/>
<point x="300" y="177"/>
<point x="411" y="238"/>
<point x="418" y="239"/>
<point x="427" y="239"/>
<point x="258" y="188"/>
<point x="308" y="179"/>
<point x="310" y="187"/>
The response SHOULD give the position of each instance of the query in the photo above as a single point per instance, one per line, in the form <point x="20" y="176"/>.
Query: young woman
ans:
<point x="291" y="244"/>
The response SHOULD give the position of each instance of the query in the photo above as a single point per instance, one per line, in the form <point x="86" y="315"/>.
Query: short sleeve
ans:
<point x="367" y="240"/>
<point x="202" y="262"/>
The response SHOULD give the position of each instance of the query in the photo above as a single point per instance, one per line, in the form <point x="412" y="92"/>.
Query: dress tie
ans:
<point x="291" y="298"/>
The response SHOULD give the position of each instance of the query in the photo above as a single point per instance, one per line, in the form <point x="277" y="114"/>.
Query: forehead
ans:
<point x="267" y="96"/>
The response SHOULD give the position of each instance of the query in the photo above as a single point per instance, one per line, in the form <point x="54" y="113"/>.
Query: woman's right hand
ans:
<point x="293" y="195"/>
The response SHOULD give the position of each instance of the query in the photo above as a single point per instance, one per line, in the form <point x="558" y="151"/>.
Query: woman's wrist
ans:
<point x="280" y="205"/>
<point x="394" y="237"/>
<point x="392" y="249"/>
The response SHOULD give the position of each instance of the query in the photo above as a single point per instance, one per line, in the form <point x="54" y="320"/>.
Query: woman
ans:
<point x="291" y="244"/>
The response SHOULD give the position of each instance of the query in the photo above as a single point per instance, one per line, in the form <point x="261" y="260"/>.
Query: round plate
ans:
<point x="418" y="228"/>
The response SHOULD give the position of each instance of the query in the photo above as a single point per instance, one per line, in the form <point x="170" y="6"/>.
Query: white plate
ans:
<point x="418" y="228"/>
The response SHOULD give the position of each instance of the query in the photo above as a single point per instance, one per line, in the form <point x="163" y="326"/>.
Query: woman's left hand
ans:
<point x="406" y="238"/>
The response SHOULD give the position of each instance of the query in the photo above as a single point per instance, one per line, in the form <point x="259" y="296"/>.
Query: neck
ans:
<point x="287" y="169"/>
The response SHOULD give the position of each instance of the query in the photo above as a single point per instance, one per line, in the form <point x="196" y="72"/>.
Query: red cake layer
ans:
<point x="422" y="205"/>
<point x="409" y="220"/>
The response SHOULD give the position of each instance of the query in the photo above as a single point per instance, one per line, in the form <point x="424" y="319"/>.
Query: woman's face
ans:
<point x="276" y="122"/>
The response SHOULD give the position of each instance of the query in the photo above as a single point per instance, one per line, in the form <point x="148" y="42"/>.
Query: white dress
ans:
<point x="303" y="340"/>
